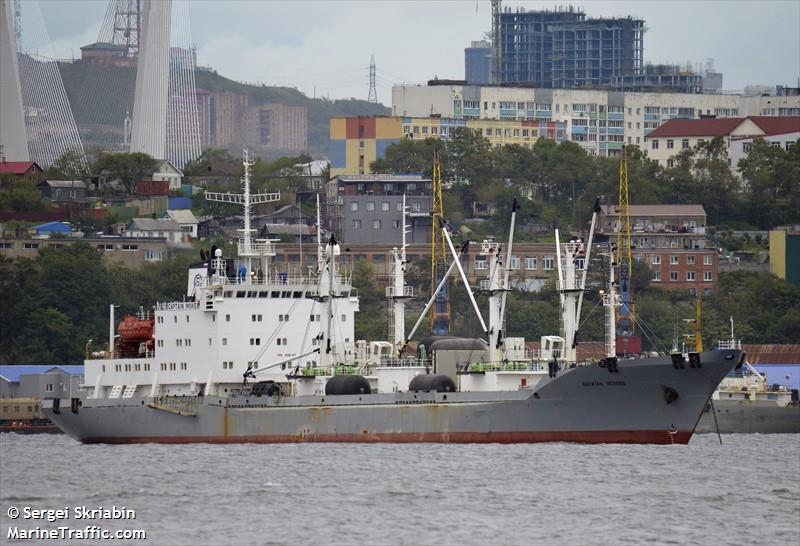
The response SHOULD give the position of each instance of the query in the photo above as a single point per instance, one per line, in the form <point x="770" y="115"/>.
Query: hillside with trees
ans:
<point x="100" y="97"/>
<point x="557" y="183"/>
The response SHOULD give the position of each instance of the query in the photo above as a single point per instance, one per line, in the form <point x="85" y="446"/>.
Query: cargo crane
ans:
<point x="695" y="339"/>
<point x="627" y="342"/>
<point x="440" y="312"/>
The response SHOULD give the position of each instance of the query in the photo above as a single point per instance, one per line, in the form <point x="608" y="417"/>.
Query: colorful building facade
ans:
<point x="784" y="255"/>
<point x="356" y="142"/>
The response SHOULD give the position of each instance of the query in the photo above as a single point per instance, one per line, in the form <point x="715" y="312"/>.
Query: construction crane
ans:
<point x="624" y="260"/>
<point x="440" y="312"/>
<point x="497" y="71"/>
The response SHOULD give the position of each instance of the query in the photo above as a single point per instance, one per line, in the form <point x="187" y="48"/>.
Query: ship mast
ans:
<point x="611" y="302"/>
<point x="399" y="292"/>
<point x="320" y="259"/>
<point x="329" y="289"/>
<point x="498" y="289"/>
<point x="253" y="252"/>
<point x="570" y="289"/>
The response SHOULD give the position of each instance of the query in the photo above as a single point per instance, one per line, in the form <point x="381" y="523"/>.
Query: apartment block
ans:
<point x="369" y="208"/>
<point x="276" y="126"/>
<point x="600" y="121"/>
<point x="671" y="241"/>
<point x="356" y="142"/>
<point x="564" y="48"/>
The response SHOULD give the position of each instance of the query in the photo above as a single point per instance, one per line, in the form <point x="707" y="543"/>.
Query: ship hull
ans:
<point x="586" y="404"/>
<point x="749" y="417"/>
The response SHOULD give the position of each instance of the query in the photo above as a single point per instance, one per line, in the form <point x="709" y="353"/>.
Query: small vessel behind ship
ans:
<point x="745" y="402"/>
<point x="257" y="355"/>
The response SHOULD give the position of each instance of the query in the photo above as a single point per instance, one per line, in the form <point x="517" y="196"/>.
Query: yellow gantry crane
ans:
<point x="440" y="312"/>
<point x="696" y="338"/>
<point x="624" y="258"/>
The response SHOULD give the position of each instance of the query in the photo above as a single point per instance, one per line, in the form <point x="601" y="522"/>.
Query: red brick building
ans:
<point x="671" y="241"/>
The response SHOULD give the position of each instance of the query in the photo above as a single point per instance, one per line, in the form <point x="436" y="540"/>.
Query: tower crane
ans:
<point x="440" y="312"/>
<point x="624" y="260"/>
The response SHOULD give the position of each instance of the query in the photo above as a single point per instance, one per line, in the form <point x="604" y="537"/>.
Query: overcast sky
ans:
<point x="326" y="45"/>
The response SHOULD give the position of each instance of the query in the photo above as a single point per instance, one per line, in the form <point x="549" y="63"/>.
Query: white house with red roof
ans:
<point x="666" y="141"/>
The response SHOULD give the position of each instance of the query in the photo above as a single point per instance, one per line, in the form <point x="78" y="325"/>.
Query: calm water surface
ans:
<point x="746" y="491"/>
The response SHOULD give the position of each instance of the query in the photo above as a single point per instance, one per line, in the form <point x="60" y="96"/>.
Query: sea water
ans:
<point x="744" y="491"/>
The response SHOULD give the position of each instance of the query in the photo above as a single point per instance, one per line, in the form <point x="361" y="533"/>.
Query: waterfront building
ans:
<point x="671" y="241"/>
<point x="478" y="63"/>
<point x="39" y="381"/>
<point x="600" y="121"/>
<point x="665" y="142"/>
<point x="356" y="142"/>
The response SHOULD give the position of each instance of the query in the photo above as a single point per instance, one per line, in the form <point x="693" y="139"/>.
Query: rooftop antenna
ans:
<point x="373" y="93"/>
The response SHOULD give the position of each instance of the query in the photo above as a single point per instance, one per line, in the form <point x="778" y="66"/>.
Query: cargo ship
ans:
<point x="257" y="354"/>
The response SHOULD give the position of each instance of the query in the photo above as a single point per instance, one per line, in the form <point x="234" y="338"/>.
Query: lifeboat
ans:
<point x="135" y="335"/>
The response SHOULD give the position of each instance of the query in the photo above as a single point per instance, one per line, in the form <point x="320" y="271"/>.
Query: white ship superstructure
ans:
<point x="241" y="318"/>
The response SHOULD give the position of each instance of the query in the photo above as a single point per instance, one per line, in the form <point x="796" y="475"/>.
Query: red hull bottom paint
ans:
<point x="581" y="437"/>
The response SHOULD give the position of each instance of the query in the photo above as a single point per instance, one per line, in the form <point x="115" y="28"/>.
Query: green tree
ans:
<point x="128" y="168"/>
<point x="372" y="319"/>
<point x="20" y="195"/>
<point x="71" y="165"/>
<point x="772" y="184"/>
<point x="408" y="156"/>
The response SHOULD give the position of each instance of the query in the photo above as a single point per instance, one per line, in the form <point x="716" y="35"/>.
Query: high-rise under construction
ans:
<point x="565" y="49"/>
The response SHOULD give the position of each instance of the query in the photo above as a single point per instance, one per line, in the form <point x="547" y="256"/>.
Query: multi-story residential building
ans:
<point x="600" y="121"/>
<point x="478" y="63"/>
<point x="203" y="98"/>
<point x="675" y="135"/>
<point x="671" y="241"/>
<point x="227" y="109"/>
<point x="356" y="142"/>
<point x="564" y="48"/>
<point x="276" y="126"/>
<point x="369" y="208"/>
